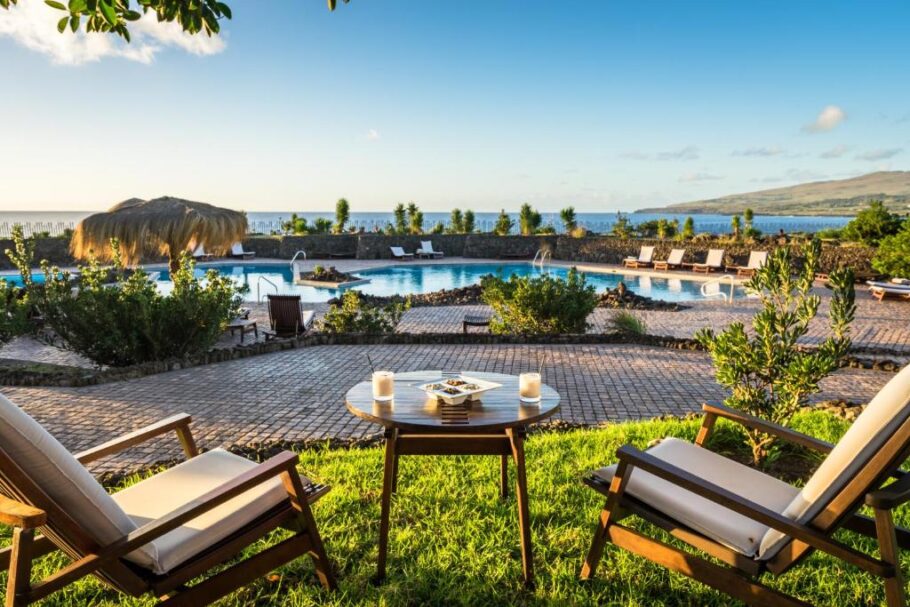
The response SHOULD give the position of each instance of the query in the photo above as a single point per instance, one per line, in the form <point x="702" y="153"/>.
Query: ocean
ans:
<point x="268" y="222"/>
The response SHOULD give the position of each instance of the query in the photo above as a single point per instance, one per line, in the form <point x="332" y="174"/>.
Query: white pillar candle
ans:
<point x="383" y="385"/>
<point x="529" y="387"/>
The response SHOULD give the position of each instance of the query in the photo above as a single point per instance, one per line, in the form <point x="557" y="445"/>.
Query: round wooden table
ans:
<point x="418" y="424"/>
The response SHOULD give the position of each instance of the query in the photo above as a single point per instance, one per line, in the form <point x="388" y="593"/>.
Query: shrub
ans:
<point x="688" y="229"/>
<point x="468" y="226"/>
<point x="504" y="224"/>
<point x="401" y="222"/>
<point x="543" y="304"/>
<point x="626" y="323"/>
<point x="456" y="222"/>
<point x="354" y="316"/>
<point x="569" y="221"/>
<point x="415" y="219"/>
<point x="342" y="215"/>
<point x="893" y="254"/>
<point x="622" y="228"/>
<point x="15" y="310"/>
<point x="529" y="220"/>
<point x="872" y="224"/>
<point x="768" y="373"/>
<point x="131" y="322"/>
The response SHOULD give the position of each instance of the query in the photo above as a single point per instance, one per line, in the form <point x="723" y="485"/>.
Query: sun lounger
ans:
<point x="426" y="250"/>
<point x="881" y="290"/>
<point x="713" y="261"/>
<point x="287" y="318"/>
<point x="673" y="260"/>
<point x="645" y="255"/>
<point x="399" y="254"/>
<point x="756" y="260"/>
<point x="200" y="255"/>
<point x="237" y="252"/>
<point x="751" y="523"/>
<point x="186" y="525"/>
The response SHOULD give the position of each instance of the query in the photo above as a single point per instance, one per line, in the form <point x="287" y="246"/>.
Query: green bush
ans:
<point x="15" y="310"/>
<point x="627" y="323"/>
<point x="130" y="321"/>
<point x="872" y="224"/>
<point x="544" y="304"/>
<point x="768" y="373"/>
<point x="893" y="254"/>
<point x="354" y="316"/>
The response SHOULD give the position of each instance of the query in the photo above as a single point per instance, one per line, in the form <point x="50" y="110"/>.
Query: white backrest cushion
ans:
<point x="875" y="425"/>
<point x="237" y="248"/>
<point x="199" y="252"/>
<point x="397" y="251"/>
<point x="676" y="256"/>
<point x="426" y="245"/>
<point x="757" y="259"/>
<point x="715" y="257"/>
<point x="60" y="475"/>
<point x="646" y="254"/>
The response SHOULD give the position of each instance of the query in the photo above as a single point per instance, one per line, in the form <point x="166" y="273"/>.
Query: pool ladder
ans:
<point x="259" y="282"/>
<point x="541" y="257"/>
<point x="728" y="299"/>
<point x="296" y="255"/>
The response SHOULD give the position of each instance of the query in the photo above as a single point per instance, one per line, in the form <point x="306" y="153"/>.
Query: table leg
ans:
<point x="504" y="477"/>
<point x="388" y="482"/>
<point x="395" y="476"/>
<point x="516" y="438"/>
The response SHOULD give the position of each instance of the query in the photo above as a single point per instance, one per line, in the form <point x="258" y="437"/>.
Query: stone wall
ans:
<point x="377" y="246"/>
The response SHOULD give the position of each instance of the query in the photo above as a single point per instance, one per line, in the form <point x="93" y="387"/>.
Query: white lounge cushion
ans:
<point x="709" y="518"/>
<point x="169" y="490"/>
<point x="881" y="418"/>
<point x="60" y="475"/>
<point x="901" y="281"/>
<point x="676" y="257"/>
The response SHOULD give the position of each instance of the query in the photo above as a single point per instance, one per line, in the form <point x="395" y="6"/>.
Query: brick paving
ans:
<point x="297" y="395"/>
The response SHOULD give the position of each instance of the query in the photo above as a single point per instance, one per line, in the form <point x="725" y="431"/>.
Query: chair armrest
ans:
<point x="892" y="496"/>
<point x="23" y="516"/>
<point x="179" y="422"/>
<point x="737" y="503"/>
<point x="750" y="421"/>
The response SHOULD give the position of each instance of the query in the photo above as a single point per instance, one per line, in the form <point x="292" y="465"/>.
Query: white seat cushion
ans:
<point x="60" y="475"/>
<point x="165" y="492"/>
<point x="878" y="422"/>
<point x="709" y="518"/>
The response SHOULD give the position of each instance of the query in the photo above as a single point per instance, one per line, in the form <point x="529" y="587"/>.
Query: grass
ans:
<point x="453" y="542"/>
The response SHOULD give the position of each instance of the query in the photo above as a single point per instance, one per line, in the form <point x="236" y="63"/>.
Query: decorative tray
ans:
<point x="456" y="389"/>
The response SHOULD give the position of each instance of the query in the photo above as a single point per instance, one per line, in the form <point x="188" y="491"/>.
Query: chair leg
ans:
<point x="601" y="534"/>
<point x="308" y="525"/>
<point x="20" y="571"/>
<point x="890" y="553"/>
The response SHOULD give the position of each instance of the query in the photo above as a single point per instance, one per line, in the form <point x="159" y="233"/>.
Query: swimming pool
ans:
<point x="410" y="279"/>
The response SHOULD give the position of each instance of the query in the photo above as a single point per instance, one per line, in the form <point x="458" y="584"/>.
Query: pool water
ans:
<point x="411" y="279"/>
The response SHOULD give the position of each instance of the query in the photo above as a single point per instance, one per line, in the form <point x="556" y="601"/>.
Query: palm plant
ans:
<point x="569" y="222"/>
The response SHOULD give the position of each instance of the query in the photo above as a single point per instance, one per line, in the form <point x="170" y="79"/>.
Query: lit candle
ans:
<point x="383" y="385"/>
<point x="529" y="387"/>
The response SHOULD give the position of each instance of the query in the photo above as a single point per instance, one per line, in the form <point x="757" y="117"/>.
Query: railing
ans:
<point x="294" y="258"/>
<point x="259" y="282"/>
<point x="540" y="258"/>
<point x="718" y="293"/>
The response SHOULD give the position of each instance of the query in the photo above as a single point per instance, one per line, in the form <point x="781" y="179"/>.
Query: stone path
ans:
<point x="297" y="395"/>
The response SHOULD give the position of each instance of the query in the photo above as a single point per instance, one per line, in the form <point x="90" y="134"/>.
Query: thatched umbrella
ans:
<point x="162" y="226"/>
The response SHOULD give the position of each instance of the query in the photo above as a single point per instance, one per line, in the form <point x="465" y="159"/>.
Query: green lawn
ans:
<point x="454" y="542"/>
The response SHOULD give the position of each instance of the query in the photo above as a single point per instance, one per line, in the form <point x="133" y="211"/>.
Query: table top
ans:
<point x="414" y="409"/>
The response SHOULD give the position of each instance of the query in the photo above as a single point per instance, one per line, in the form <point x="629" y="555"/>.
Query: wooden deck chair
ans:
<point x="713" y="261"/>
<point x="755" y="524"/>
<point x="286" y="316"/>
<point x="756" y="260"/>
<point x="157" y="536"/>
<point x="645" y="255"/>
<point x="881" y="290"/>
<point x="673" y="260"/>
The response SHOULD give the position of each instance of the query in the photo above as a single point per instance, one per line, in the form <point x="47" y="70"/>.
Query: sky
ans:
<point x="598" y="104"/>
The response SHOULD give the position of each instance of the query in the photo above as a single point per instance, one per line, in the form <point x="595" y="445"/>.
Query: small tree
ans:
<point x="456" y="222"/>
<point x="569" y="222"/>
<point x="893" y="254"/>
<point x="768" y="373"/>
<point x="663" y="229"/>
<point x="351" y="315"/>
<point x="504" y="224"/>
<point x="688" y="229"/>
<point x="736" y="227"/>
<point x="16" y="303"/>
<point x="342" y="215"/>
<point x="415" y="219"/>
<point x="438" y="228"/>
<point x="873" y="224"/>
<point x="622" y="228"/>
<point x="401" y="221"/>
<point x="528" y="220"/>
<point x="321" y="225"/>
<point x="468" y="226"/>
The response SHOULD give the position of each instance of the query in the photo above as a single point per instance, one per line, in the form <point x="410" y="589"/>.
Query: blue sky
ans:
<point x="483" y="105"/>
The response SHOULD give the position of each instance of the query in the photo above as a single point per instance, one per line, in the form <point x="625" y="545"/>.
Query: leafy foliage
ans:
<point x="17" y="304"/>
<point x="456" y="222"/>
<point x="893" y="254"/>
<point x="22" y="255"/>
<point x="569" y="221"/>
<point x="622" y="228"/>
<point x="469" y="222"/>
<point x="736" y="226"/>
<point x="873" y="224"/>
<point x="688" y="229"/>
<point x="415" y="219"/>
<point x="354" y="316"/>
<point x="627" y="323"/>
<point x="529" y="220"/>
<point x="342" y="215"/>
<point x="131" y="322"/>
<point x="299" y="225"/>
<point x="769" y="375"/>
<point x="543" y="304"/>
<point x="504" y="224"/>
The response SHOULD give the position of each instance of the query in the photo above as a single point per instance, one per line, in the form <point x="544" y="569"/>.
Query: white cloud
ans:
<point x="690" y="152"/>
<point x="880" y="154"/>
<point x="760" y="151"/>
<point x="835" y="152"/>
<point x="34" y="25"/>
<point x="373" y="135"/>
<point x="697" y="177"/>
<point x="827" y="119"/>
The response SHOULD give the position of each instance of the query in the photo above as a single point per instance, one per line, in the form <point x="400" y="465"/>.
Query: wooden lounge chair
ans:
<point x="426" y="250"/>
<point x="237" y="252"/>
<point x="713" y="261"/>
<point x="645" y="255"/>
<point x="881" y="290"/>
<point x="755" y="524"/>
<point x="287" y="318"/>
<point x="399" y="254"/>
<point x="673" y="260"/>
<point x="163" y="536"/>
<point x="756" y="260"/>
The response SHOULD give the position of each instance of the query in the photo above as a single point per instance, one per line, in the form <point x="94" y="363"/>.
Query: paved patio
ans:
<point x="297" y="396"/>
